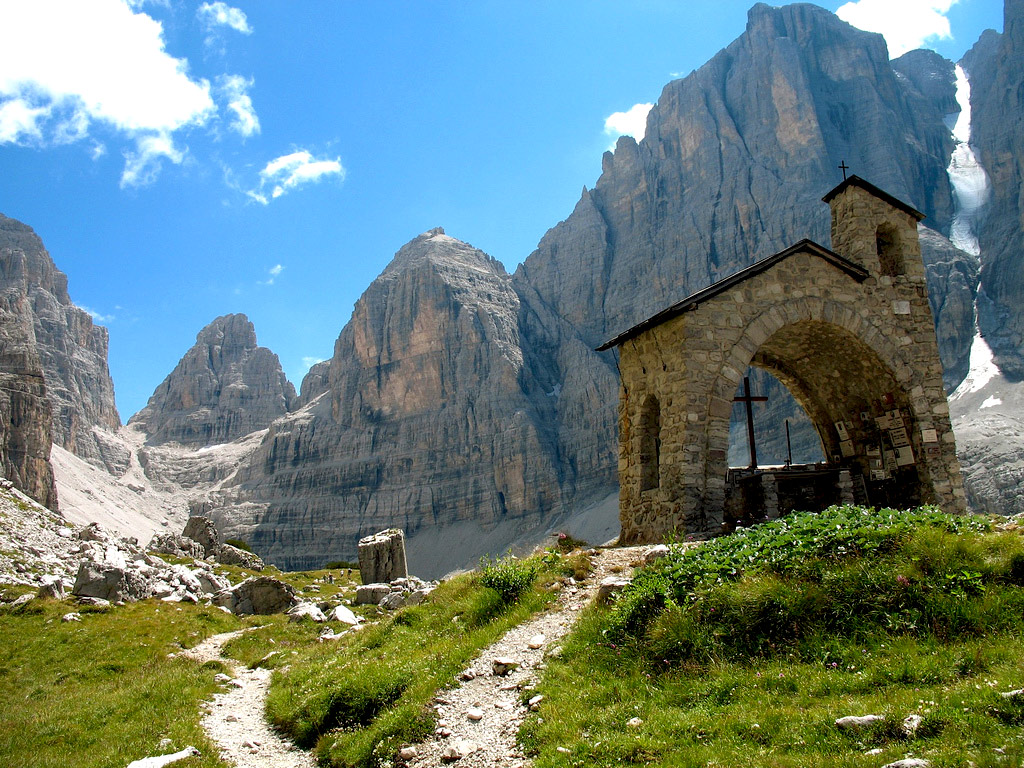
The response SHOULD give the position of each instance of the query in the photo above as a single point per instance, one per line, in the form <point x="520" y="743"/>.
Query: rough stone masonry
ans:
<point x="849" y="331"/>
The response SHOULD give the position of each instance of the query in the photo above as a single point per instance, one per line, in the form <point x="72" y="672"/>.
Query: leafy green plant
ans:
<point x="239" y="544"/>
<point x="510" y="577"/>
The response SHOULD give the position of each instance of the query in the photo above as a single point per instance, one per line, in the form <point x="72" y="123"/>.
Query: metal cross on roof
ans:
<point x="844" y="168"/>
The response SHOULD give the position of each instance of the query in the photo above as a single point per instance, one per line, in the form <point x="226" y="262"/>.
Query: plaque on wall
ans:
<point x="929" y="436"/>
<point x="904" y="456"/>
<point x="844" y="434"/>
<point x="846" y="447"/>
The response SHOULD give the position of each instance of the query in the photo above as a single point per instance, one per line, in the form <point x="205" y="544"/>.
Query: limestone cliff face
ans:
<point x="438" y="415"/>
<point x="25" y="416"/>
<point x="225" y="386"/>
<point x="996" y="70"/>
<point x="71" y="350"/>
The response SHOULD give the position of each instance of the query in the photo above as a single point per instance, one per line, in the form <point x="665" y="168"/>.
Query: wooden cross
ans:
<point x="746" y="398"/>
<point x="844" y="168"/>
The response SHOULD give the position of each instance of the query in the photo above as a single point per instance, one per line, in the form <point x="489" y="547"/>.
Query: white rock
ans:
<point x="537" y="641"/>
<point x="344" y="615"/>
<point x="911" y="723"/>
<point x="857" y="722"/>
<point x="407" y="753"/>
<point x="71" y="617"/>
<point x="306" y="611"/>
<point x="634" y="722"/>
<point x="475" y="714"/>
<point x="460" y="749"/>
<point x="162" y="760"/>
<point x="910" y="762"/>
<point x="609" y="586"/>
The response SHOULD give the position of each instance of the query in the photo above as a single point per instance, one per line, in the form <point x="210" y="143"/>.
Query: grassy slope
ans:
<point x="743" y="651"/>
<point x="746" y="650"/>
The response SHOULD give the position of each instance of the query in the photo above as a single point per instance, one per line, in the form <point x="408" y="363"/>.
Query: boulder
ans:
<point x="382" y="557"/>
<point x="392" y="601"/>
<point x="177" y="545"/>
<point x="372" y="594"/>
<point x="261" y="595"/>
<point x="344" y="615"/>
<point x="306" y="611"/>
<point x="110" y="582"/>
<point x="203" y="531"/>
<point x="230" y="555"/>
<point x="52" y="587"/>
<point x="210" y="582"/>
<point x="609" y="586"/>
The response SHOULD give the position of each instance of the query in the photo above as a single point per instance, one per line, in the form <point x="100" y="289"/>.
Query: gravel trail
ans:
<point x="235" y="720"/>
<point x="496" y="700"/>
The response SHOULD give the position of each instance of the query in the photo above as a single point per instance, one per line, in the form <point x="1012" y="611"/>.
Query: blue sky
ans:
<point x="184" y="160"/>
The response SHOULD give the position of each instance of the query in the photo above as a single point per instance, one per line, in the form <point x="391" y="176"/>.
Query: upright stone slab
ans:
<point x="382" y="557"/>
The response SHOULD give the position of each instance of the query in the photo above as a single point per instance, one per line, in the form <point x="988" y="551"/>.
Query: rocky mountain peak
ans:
<point x="225" y="386"/>
<point x="435" y="248"/>
<point x="70" y="348"/>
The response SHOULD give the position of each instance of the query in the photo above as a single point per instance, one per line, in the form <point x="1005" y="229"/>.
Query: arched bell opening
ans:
<point x="863" y="418"/>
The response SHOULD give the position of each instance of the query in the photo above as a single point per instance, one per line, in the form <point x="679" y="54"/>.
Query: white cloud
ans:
<point x="309" y="362"/>
<point x="273" y="272"/>
<point x="906" y="24"/>
<point x="288" y="172"/>
<point x="142" y="166"/>
<point x="632" y="122"/>
<point x="66" y="64"/>
<point x="20" y="121"/>
<point x="234" y="89"/>
<point x="220" y="14"/>
<point x="97" y="317"/>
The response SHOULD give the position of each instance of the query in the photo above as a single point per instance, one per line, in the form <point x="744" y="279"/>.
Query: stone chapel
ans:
<point x="849" y="332"/>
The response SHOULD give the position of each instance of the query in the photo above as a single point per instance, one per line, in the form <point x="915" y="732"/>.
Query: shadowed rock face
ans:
<point x="71" y="350"/>
<point x="996" y="69"/>
<point x="225" y="386"/>
<point x="25" y="418"/>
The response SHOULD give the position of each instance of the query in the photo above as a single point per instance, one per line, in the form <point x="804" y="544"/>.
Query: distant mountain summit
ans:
<point x="225" y="387"/>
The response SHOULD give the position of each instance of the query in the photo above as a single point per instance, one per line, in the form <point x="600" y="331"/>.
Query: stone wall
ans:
<point x="855" y="347"/>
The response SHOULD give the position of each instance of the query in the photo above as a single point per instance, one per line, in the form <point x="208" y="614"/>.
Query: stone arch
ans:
<point x="649" y="436"/>
<point x="889" y="250"/>
<point x="787" y="340"/>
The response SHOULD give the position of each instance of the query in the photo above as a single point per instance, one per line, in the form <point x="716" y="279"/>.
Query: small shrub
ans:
<point x="509" y="577"/>
<point x="238" y="544"/>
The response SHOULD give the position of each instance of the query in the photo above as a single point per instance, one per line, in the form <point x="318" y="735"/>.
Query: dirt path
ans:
<point x="481" y="717"/>
<point x="235" y="720"/>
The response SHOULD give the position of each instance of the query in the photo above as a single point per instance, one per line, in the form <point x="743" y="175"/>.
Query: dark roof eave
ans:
<point x="855" y="271"/>
<point x="879" y="193"/>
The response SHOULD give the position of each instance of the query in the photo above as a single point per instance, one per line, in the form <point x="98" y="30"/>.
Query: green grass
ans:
<point x="745" y="650"/>
<point x="358" y="699"/>
<point x="101" y="692"/>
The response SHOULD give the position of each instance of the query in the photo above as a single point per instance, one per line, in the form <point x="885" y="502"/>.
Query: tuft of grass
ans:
<point x="510" y="577"/>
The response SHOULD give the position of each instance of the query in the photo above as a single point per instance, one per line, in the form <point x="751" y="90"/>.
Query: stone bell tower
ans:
<point x="873" y="229"/>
